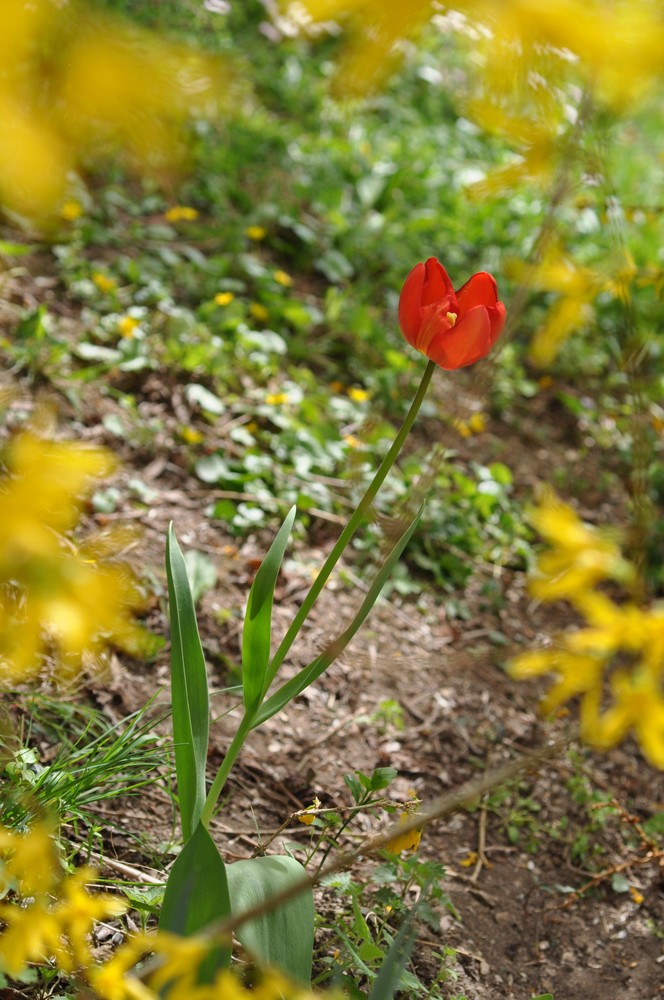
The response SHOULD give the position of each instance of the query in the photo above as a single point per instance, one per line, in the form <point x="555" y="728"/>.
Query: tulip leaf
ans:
<point x="283" y="937"/>
<point x="313" y="670"/>
<point x="257" y="630"/>
<point x="196" y="895"/>
<point x="189" y="690"/>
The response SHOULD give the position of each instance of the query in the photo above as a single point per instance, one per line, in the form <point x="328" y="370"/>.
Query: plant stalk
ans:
<point x="350" y="529"/>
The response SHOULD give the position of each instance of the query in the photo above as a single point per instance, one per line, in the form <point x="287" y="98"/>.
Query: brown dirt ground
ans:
<point x="514" y="935"/>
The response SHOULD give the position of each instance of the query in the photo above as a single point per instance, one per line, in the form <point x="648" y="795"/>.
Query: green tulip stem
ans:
<point x="351" y="527"/>
<point x="316" y="587"/>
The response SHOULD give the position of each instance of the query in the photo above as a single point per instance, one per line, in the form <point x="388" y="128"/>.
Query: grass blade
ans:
<point x="313" y="670"/>
<point x="257" y="630"/>
<point x="189" y="688"/>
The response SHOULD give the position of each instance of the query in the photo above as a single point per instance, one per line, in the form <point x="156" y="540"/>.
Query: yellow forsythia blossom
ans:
<point x="618" y="47"/>
<point x="578" y="555"/>
<point x="56" y="915"/>
<point x="408" y="841"/>
<point x="77" y="80"/>
<point x="615" y="662"/>
<point x="53" y="592"/>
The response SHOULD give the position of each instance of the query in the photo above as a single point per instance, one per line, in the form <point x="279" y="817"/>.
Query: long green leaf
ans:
<point x="189" y="691"/>
<point x="313" y="670"/>
<point x="197" y="894"/>
<point x="258" y="619"/>
<point x="283" y="937"/>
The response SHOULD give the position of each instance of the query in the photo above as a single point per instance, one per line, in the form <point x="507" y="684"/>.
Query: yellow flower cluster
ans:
<point x="177" y="961"/>
<point x="615" y="663"/>
<point x="615" y="48"/>
<point x="49" y="916"/>
<point x="105" y="83"/>
<point x="56" y="915"/>
<point x="52" y="592"/>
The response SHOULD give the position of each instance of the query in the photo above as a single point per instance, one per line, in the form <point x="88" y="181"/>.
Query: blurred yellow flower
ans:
<point x="43" y="929"/>
<point x="106" y="84"/>
<point x="255" y="233"/>
<point x="408" y="841"/>
<point x="283" y="278"/>
<point x="358" y="395"/>
<point x="224" y="298"/>
<point x="71" y="210"/>
<point x="276" y="398"/>
<point x="28" y="860"/>
<point x="54" y="593"/>
<point x="637" y="897"/>
<point x="579" y="555"/>
<point x="191" y="435"/>
<point x="615" y="662"/>
<point x="181" y="213"/>
<point x="475" y="424"/>
<point x="127" y="325"/>
<point x="104" y="283"/>
<point x="352" y="441"/>
<point x="258" y="311"/>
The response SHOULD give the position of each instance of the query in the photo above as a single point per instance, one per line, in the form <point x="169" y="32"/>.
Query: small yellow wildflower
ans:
<point x="637" y="897"/>
<point x="276" y="398"/>
<point x="408" y="841"/>
<point x="127" y="325"/>
<point x="477" y="423"/>
<point x="181" y="213"/>
<point x="191" y="435"/>
<point x="283" y="278"/>
<point x="352" y="441"/>
<point x="462" y="427"/>
<point x="224" y="298"/>
<point x="104" y="283"/>
<point x="255" y="233"/>
<point x="309" y="815"/>
<point x="258" y="311"/>
<point x="471" y="859"/>
<point x="358" y="395"/>
<point x="71" y="210"/>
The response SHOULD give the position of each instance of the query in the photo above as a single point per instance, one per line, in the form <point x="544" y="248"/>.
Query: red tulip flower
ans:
<point x="454" y="329"/>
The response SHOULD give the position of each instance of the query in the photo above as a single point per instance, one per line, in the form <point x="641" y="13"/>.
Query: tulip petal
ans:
<point x="437" y="285"/>
<point x="480" y="290"/>
<point x="410" y="312"/>
<point x="497" y="315"/>
<point x="465" y="343"/>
